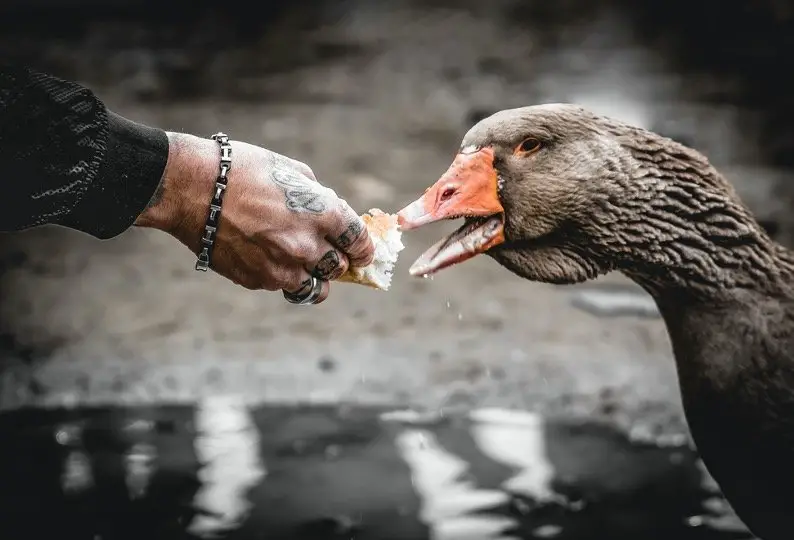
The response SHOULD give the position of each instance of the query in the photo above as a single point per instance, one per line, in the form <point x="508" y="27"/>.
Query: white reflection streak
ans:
<point x="227" y="445"/>
<point x="517" y="439"/>
<point x="139" y="464"/>
<point x="77" y="475"/>
<point x="446" y="498"/>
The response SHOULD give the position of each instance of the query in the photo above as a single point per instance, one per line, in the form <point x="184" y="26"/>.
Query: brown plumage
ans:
<point x="596" y="195"/>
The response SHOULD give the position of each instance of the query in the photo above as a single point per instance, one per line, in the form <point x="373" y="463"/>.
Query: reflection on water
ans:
<point x="517" y="439"/>
<point x="450" y="501"/>
<point x="222" y="470"/>
<point x="227" y="445"/>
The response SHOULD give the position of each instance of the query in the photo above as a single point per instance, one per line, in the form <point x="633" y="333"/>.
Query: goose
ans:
<point x="558" y="194"/>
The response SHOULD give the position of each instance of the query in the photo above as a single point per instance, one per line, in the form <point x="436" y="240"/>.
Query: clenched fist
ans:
<point x="278" y="227"/>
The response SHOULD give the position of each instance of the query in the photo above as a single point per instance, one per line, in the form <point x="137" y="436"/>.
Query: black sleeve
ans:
<point x="66" y="160"/>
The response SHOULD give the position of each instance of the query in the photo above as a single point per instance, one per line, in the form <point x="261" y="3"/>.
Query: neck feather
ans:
<point x="679" y="225"/>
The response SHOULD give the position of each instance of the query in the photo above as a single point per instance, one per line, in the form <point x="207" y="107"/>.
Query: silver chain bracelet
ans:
<point x="214" y="216"/>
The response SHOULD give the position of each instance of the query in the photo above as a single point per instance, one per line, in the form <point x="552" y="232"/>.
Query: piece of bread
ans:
<point x="387" y="237"/>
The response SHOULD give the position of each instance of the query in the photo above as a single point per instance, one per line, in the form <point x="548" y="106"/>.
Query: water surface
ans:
<point x="222" y="470"/>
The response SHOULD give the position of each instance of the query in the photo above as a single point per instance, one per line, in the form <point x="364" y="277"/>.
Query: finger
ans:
<point x="349" y="234"/>
<point x="326" y="290"/>
<point x="329" y="263"/>
<point x="305" y="283"/>
<point x="304" y="280"/>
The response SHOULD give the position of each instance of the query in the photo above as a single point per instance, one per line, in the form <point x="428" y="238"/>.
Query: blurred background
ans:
<point x="142" y="399"/>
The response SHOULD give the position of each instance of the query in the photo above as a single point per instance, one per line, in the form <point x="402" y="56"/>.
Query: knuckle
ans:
<point x="330" y="265"/>
<point x="343" y="217"/>
<point x="307" y="171"/>
<point x="301" y="168"/>
<point x="345" y="211"/>
<point x="298" y="246"/>
<point x="290" y="245"/>
<point x="330" y="201"/>
<point x="354" y="237"/>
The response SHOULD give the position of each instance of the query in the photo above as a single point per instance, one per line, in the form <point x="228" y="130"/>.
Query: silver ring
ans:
<point x="308" y="298"/>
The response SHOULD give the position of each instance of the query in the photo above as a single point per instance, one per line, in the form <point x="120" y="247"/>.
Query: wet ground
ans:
<point x="375" y="96"/>
<point x="221" y="470"/>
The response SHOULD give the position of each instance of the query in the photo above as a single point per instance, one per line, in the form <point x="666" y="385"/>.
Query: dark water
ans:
<point x="220" y="469"/>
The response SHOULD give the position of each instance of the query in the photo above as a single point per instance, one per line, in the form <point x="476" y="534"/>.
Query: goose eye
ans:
<point x="528" y="146"/>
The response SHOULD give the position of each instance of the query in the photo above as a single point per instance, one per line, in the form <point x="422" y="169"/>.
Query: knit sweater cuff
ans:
<point x="132" y="168"/>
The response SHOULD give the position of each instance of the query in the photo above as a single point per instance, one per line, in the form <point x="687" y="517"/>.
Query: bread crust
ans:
<point x="379" y="224"/>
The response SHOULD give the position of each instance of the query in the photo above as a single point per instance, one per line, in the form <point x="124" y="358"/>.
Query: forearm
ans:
<point x="69" y="161"/>
<point x="186" y="187"/>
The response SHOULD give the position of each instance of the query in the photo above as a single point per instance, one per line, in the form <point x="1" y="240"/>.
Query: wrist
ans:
<point x="186" y="185"/>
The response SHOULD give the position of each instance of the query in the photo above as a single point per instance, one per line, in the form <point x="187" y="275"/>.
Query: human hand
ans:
<point x="278" y="225"/>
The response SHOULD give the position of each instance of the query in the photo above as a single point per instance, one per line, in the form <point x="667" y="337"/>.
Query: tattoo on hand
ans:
<point x="328" y="266"/>
<point x="302" y="193"/>
<point x="351" y="234"/>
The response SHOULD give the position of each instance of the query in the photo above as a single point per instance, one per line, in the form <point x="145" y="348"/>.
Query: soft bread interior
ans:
<point x="387" y="237"/>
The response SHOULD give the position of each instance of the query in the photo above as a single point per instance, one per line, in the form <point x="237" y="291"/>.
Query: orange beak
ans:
<point x="468" y="189"/>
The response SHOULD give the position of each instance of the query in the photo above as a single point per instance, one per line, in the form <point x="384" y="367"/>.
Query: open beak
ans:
<point x="468" y="189"/>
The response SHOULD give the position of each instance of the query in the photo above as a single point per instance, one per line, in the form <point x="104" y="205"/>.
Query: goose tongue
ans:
<point x="467" y="189"/>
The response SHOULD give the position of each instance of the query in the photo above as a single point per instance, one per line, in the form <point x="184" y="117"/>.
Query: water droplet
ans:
<point x="68" y="434"/>
<point x="695" y="521"/>
<point x="447" y="304"/>
<point x="547" y="531"/>
<point x="460" y="316"/>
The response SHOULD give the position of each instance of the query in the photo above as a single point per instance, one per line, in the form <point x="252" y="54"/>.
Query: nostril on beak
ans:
<point x="447" y="193"/>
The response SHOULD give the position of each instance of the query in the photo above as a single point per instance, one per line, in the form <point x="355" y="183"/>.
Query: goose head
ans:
<point x="558" y="194"/>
